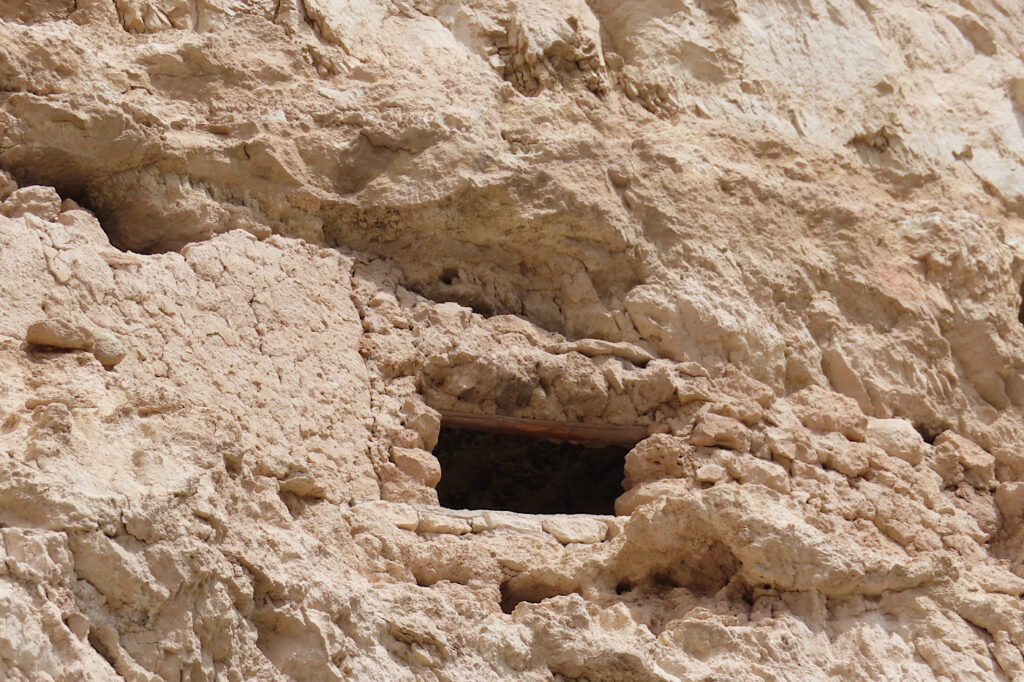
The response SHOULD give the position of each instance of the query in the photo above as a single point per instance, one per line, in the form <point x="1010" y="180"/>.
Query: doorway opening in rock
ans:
<point x="482" y="470"/>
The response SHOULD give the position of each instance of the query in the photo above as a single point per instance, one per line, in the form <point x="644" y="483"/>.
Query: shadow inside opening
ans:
<point x="527" y="475"/>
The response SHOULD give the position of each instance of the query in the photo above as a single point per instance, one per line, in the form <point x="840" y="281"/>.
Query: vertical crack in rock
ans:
<point x="96" y="643"/>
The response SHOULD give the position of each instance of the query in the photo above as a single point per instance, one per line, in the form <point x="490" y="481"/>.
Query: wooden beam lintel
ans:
<point x="584" y="434"/>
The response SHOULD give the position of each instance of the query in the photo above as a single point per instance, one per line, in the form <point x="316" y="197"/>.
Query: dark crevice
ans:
<point x="522" y="588"/>
<point x="455" y="291"/>
<point x="67" y="187"/>
<point x="71" y="186"/>
<point x="96" y="643"/>
<point x="527" y="475"/>
<point x="928" y="432"/>
<point x="508" y="601"/>
<point x="449" y="276"/>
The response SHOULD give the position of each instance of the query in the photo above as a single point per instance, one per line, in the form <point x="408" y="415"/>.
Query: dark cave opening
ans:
<point x="63" y="172"/>
<point x="929" y="432"/>
<point x="481" y="470"/>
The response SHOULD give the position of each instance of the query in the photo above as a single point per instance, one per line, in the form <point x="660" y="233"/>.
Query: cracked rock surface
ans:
<point x="253" y="252"/>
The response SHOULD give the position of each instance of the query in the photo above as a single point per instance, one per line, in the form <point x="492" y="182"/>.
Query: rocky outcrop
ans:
<point x="251" y="253"/>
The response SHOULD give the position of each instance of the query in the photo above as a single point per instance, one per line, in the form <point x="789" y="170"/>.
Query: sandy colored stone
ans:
<point x="748" y="469"/>
<point x="423" y="420"/>
<point x="660" y="456"/>
<point x="978" y="466"/>
<point x="495" y="520"/>
<point x="108" y="349"/>
<point x="7" y="185"/>
<point x="849" y="459"/>
<point x="442" y="523"/>
<point x="300" y="231"/>
<point x="898" y="438"/>
<point x="42" y="202"/>
<point x="711" y="473"/>
<point x="58" y="332"/>
<point x="720" y="431"/>
<point x="400" y="515"/>
<point x="568" y="529"/>
<point x="422" y="466"/>
<point x="824" y="410"/>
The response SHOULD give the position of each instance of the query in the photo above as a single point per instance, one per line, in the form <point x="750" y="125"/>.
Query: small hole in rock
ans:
<point x="449" y="276"/>
<point x="928" y="433"/>
<point x="481" y="470"/>
<point x="61" y="171"/>
<point x="515" y="591"/>
<point x="508" y="601"/>
<point x="623" y="587"/>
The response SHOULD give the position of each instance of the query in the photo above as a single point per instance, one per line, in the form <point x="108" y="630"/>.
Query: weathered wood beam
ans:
<point x="583" y="434"/>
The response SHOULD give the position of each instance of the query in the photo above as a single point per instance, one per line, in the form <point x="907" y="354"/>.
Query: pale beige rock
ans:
<point x="827" y="411"/>
<point x="422" y="466"/>
<point x="7" y="185"/>
<point x="442" y="523"/>
<point x="849" y="459"/>
<point x="898" y="438"/>
<point x="747" y="411"/>
<point x="569" y="529"/>
<point x="400" y="515"/>
<point x="711" y="473"/>
<point x="107" y="348"/>
<point x="753" y="470"/>
<point x="41" y="202"/>
<point x="1010" y="499"/>
<point x="505" y="521"/>
<point x="59" y="333"/>
<point x="660" y="456"/>
<point x="424" y="421"/>
<point x="720" y="431"/>
<point x="790" y="444"/>
<point x="977" y="465"/>
<point x="790" y="230"/>
<point x="647" y="493"/>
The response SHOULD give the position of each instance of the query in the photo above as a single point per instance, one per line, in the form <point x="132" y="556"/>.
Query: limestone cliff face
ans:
<point x="251" y="251"/>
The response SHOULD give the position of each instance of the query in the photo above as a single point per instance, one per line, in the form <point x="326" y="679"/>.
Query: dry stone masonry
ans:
<point x="280" y="278"/>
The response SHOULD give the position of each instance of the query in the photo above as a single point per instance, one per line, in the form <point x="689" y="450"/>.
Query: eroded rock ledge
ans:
<point x="248" y="468"/>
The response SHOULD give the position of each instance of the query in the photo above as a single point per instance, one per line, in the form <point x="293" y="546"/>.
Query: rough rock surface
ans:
<point x="249" y="249"/>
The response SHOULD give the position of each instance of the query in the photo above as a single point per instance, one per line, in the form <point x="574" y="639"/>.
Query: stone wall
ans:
<point x="252" y="251"/>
